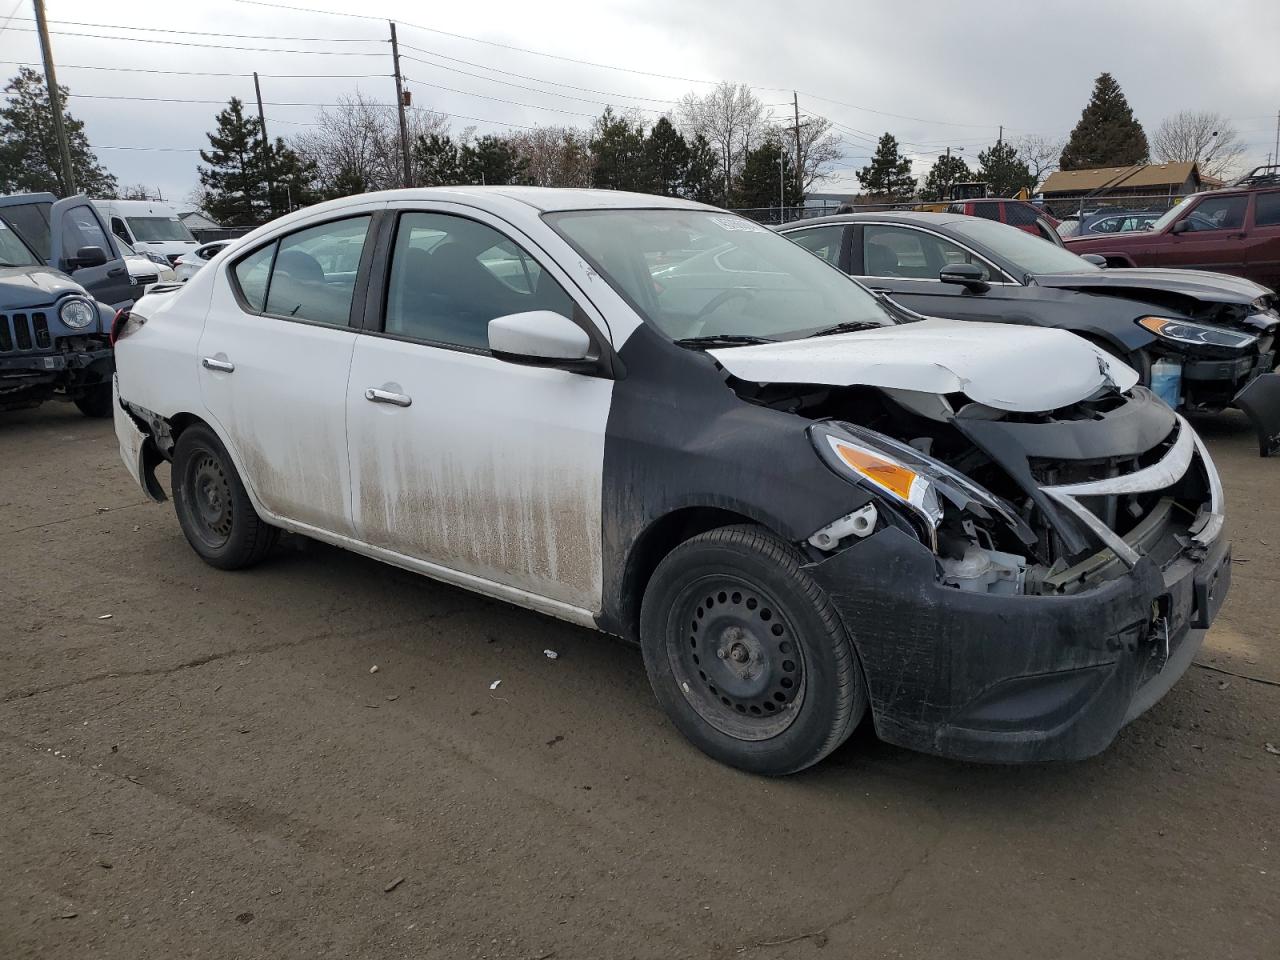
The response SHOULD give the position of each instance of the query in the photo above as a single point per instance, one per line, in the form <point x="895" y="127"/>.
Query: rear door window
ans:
<point x="823" y="242"/>
<point x="313" y="276"/>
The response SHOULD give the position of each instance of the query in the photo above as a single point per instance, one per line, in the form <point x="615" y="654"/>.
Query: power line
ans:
<point x="514" y="103"/>
<point x="203" y="33"/>
<point x="208" y="73"/>
<point x="210" y="46"/>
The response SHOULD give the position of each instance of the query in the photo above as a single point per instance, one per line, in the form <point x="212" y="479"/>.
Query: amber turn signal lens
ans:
<point x="883" y="472"/>
<point x="1154" y="324"/>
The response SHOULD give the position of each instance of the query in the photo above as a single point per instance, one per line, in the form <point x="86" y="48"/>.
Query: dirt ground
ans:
<point x="203" y="764"/>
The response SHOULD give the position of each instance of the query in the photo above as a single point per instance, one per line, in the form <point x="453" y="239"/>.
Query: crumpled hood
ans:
<point x="22" y="288"/>
<point x="1026" y="369"/>
<point x="1200" y="284"/>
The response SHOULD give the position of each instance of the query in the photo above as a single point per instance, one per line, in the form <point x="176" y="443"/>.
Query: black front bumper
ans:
<point x="1012" y="679"/>
<point x="29" y="368"/>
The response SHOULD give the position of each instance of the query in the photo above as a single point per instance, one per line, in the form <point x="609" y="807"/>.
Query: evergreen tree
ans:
<point x="758" y="183"/>
<point x="346" y="182"/>
<point x="235" y="180"/>
<point x="294" y="180"/>
<point x="29" y="158"/>
<point x="436" y="157"/>
<point x="702" y="175"/>
<point x="618" y="149"/>
<point x="1004" y="170"/>
<point x="1107" y="135"/>
<point x="945" y="171"/>
<point x="889" y="173"/>
<point x="490" y="160"/>
<point x="666" y="159"/>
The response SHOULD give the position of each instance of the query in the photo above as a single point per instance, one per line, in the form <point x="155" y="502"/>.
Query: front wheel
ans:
<point x="95" y="401"/>
<point x="213" y="508"/>
<point x="746" y="653"/>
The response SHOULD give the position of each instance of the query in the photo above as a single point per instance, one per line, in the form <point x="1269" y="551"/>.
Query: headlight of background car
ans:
<point x="158" y="259"/>
<point x="77" y="314"/>
<point x="1196" y="334"/>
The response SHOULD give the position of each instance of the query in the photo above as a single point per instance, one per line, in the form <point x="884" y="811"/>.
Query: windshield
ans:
<point x="696" y="273"/>
<point x="13" y="252"/>
<point x="153" y="229"/>
<point x="1025" y="252"/>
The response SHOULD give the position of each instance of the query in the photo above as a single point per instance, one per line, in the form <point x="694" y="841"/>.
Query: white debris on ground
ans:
<point x="550" y="654"/>
<point x="494" y="685"/>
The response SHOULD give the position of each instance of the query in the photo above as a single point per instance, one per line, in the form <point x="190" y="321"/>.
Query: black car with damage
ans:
<point x="1203" y="341"/>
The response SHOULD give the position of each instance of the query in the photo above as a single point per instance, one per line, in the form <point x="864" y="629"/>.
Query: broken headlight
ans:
<point x="1196" y="334"/>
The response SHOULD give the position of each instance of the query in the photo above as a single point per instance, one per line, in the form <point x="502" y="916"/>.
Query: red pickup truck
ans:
<point x="1232" y="230"/>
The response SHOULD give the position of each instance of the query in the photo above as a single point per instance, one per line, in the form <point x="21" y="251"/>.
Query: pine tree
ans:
<point x="1107" y="134"/>
<point x="666" y="158"/>
<point x="489" y="160"/>
<point x="889" y="173"/>
<point x="944" y="172"/>
<point x="294" y="180"/>
<point x="235" y="180"/>
<point x="758" y="183"/>
<point x="618" y="150"/>
<point x="29" y="158"/>
<point x="436" y="157"/>
<point x="1004" y="170"/>
<point x="702" y="175"/>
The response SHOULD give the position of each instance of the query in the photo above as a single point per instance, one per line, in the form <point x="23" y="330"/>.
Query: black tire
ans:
<point x="213" y="508"/>
<point x="746" y="653"/>
<point x="95" y="401"/>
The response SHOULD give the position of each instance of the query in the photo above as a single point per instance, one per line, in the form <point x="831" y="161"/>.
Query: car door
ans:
<point x="1209" y="236"/>
<point x="904" y="262"/>
<point x="487" y="472"/>
<point x="1262" y="252"/>
<point x="74" y="224"/>
<point x="274" y="358"/>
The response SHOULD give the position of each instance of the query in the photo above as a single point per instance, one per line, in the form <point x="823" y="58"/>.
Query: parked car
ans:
<point x="1234" y="230"/>
<point x="149" y="226"/>
<point x="69" y="236"/>
<point x="53" y="334"/>
<point x="801" y="500"/>
<point x="1106" y="220"/>
<point x="1210" y="337"/>
<point x="145" y="271"/>
<point x="187" y="265"/>
<point x="1016" y="213"/>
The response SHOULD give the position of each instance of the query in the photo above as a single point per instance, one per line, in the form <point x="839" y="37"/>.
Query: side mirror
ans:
<point x="967" y="275"/>
<point x="1182" y="226"/>
<point x="540" y="338"/>
<point x="87" y="257"/>
<point x="1095" y="258"/>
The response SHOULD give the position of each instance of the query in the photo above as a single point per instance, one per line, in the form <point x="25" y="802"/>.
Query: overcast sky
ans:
<point x="932" y="73"/>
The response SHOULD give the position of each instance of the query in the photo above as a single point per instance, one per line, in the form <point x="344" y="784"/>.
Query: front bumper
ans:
<point x="1011" y="679"/>
<point x="51" y="364"/>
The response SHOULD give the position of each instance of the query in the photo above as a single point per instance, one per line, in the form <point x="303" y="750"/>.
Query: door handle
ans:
<point x="117" y="272"/>
<point x="223" y="366"/>
<point x="386" y="396"/>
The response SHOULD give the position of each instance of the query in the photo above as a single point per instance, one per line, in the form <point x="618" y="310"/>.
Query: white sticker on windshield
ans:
<point x="739" y="224"/>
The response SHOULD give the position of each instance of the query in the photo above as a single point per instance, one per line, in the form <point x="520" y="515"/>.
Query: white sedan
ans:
<point x="189" y="264"/>
<point x="801" y="500"/>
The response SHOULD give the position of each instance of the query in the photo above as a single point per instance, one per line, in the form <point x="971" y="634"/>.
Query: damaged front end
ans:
<point x="1022" y="584"/>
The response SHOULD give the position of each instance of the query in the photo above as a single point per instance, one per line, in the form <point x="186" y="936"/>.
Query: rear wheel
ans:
<point x="746" y="653"/>
<point x="213" y="508"/>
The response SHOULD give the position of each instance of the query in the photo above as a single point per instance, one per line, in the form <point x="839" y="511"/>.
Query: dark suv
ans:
<point x="56" y="263"/>
<point x="1233" y="230"/>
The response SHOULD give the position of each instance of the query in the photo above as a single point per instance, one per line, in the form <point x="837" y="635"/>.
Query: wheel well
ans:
<point x="1117" y="260"/>
<point x="659" y="539"/>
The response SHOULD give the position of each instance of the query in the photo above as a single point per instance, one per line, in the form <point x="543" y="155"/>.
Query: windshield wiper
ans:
<point x="722" y="340"/>
<point x="849" y="326"/>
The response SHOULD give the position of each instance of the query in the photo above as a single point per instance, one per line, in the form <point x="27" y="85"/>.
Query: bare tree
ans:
<point x="357" y="143"/>
<point x="139" y="191"/>
<point x="555" y="156"/>
<point x="732" y="119"/>
<point x="1040" y="154"/>
<point x="819" y="149"/>
<point x="1203" y="136"/>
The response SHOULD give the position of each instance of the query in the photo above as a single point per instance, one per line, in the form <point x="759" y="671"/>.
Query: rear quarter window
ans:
<point x="1267" y="211"/>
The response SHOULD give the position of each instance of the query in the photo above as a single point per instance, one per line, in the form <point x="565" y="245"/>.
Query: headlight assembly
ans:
<point x="77" y="314"/>
<point x="1196" y="334"/>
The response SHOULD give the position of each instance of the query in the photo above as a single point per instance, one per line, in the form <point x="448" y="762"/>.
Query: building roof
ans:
<point x="199" y="220"/>
<point x="1112" y="178"/>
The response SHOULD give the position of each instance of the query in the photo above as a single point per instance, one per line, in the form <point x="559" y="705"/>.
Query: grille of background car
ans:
<point x="22" y="332"/>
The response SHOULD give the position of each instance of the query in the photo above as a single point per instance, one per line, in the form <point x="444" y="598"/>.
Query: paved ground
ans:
<point x="214" y="771"/>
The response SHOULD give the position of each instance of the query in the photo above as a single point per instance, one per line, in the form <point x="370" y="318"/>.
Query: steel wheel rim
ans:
<point x="736" y="657"/>
<point x="208" y="497"/>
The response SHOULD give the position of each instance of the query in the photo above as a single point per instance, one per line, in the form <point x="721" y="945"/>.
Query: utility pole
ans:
<point x="795" y="103"/>
<point x="1000" y="138"/>
<point x="55" y="100"/>
<point x="404" y="127"/>
<point x="266" y="151"/>
<point x="1275" y="154"/>
<point x="782" y="184"/>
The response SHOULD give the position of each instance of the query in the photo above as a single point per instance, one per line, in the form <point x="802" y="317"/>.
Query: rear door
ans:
<point x="1262" y="251"/>
<point x="74" y="224"/>
<point x="274" y="357"/>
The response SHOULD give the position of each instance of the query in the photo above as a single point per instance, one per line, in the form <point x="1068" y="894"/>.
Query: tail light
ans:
<point x="177" y="262"/>
<point x="120" y="326"/>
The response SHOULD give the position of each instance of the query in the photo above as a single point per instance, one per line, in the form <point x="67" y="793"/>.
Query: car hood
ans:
<point x="1200" y="284"/>
<point x="25" y="287"/>
<point x="1026" y="369"/>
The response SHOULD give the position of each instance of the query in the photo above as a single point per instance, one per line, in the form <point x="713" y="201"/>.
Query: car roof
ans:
<point x="544" y="199"/>
<point x="919" y="218"/>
